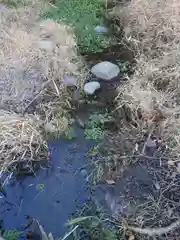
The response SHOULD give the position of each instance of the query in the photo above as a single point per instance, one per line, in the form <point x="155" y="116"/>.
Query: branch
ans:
<point x="155" y="231"/>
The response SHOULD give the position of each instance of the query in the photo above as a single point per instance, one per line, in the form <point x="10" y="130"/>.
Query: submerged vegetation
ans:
<point x="11" y="235"/>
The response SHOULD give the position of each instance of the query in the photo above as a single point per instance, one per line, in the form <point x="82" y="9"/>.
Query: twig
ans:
<point x="37" y="95"/>
<point x="148" y="138"/>
<point x="155" y="231"/>
<point x="29" y="104"/>
<point x="43" y="234"/>
<point x="68" y="234"/>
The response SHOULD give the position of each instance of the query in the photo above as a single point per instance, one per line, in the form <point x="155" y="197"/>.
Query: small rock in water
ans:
<point x="105" y="70"/>
<point x="91" y="87"/>
<point x="84" y="173"/>
<point x="100" y="29"/>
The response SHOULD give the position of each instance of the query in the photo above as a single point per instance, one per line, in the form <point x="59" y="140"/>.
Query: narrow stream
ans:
<point x="55" y="193"/>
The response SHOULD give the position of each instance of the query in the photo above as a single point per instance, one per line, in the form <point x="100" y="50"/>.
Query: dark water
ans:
<point x="55" y="193"/>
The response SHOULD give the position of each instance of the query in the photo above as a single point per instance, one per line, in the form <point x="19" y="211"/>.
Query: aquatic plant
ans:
<point x="11" y="235"/>
<point x="40" y="186"/>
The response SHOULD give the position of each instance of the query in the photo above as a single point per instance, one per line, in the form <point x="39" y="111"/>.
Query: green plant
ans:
<point x="83" y="16"/>
<point x="40" y="186"/>
<point x="11" y="235"/>
<point x="124" y="66"/>
<point x="93" y="151"/>
<point x="93" y="226"/>
<point x="95" y="128"/>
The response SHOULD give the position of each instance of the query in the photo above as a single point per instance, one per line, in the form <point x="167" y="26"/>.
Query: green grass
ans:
<point x="83" y="16"/>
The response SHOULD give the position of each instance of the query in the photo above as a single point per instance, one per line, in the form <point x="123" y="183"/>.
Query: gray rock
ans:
<point x="105" y="70"/>
<point x="84" y="172"/>
<point x="91" y="87"/>
<point x="100" y="29"/>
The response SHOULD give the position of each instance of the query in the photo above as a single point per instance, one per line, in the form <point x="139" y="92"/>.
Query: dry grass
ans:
<point x="149" y="102"/>
<point x="35" y="56"/>
<point x="21" y="138"/>
<point x="152" y="94"/>
<point x="152" y="26"/>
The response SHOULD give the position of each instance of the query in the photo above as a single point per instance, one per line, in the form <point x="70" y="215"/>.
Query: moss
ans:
<point x="83" y="16"/>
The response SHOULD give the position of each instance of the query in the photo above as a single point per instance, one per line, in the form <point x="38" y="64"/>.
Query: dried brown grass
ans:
<point x="21" y="138"/>
<point x="152" y="94"/>
<point x="152" y="26"/>
<point x="26" y="66"/>
<point x="150" y="102"/>
<point x="35" y="56"/>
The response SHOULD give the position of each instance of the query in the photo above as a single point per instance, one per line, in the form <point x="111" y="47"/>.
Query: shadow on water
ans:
<point x="54" y="193"/>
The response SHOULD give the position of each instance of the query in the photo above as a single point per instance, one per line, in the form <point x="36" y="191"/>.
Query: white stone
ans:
<point x="45" y="44"/>
<point x="91" y="87"/>
<point x="105" y="70"/>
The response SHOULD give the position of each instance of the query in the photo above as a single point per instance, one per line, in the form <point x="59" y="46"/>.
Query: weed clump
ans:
<point x="21" y="139"/>
<point x="83" y="16"/>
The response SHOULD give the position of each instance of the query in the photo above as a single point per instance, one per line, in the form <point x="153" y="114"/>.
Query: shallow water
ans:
<point x="55" y="193"/>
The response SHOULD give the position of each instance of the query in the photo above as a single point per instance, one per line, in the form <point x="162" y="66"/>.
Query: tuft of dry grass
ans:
<point x="152" y="26"/>
<point x="21" y="138"/>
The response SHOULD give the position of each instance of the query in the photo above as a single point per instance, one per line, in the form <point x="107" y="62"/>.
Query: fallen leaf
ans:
<point x="110" y="181"/>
